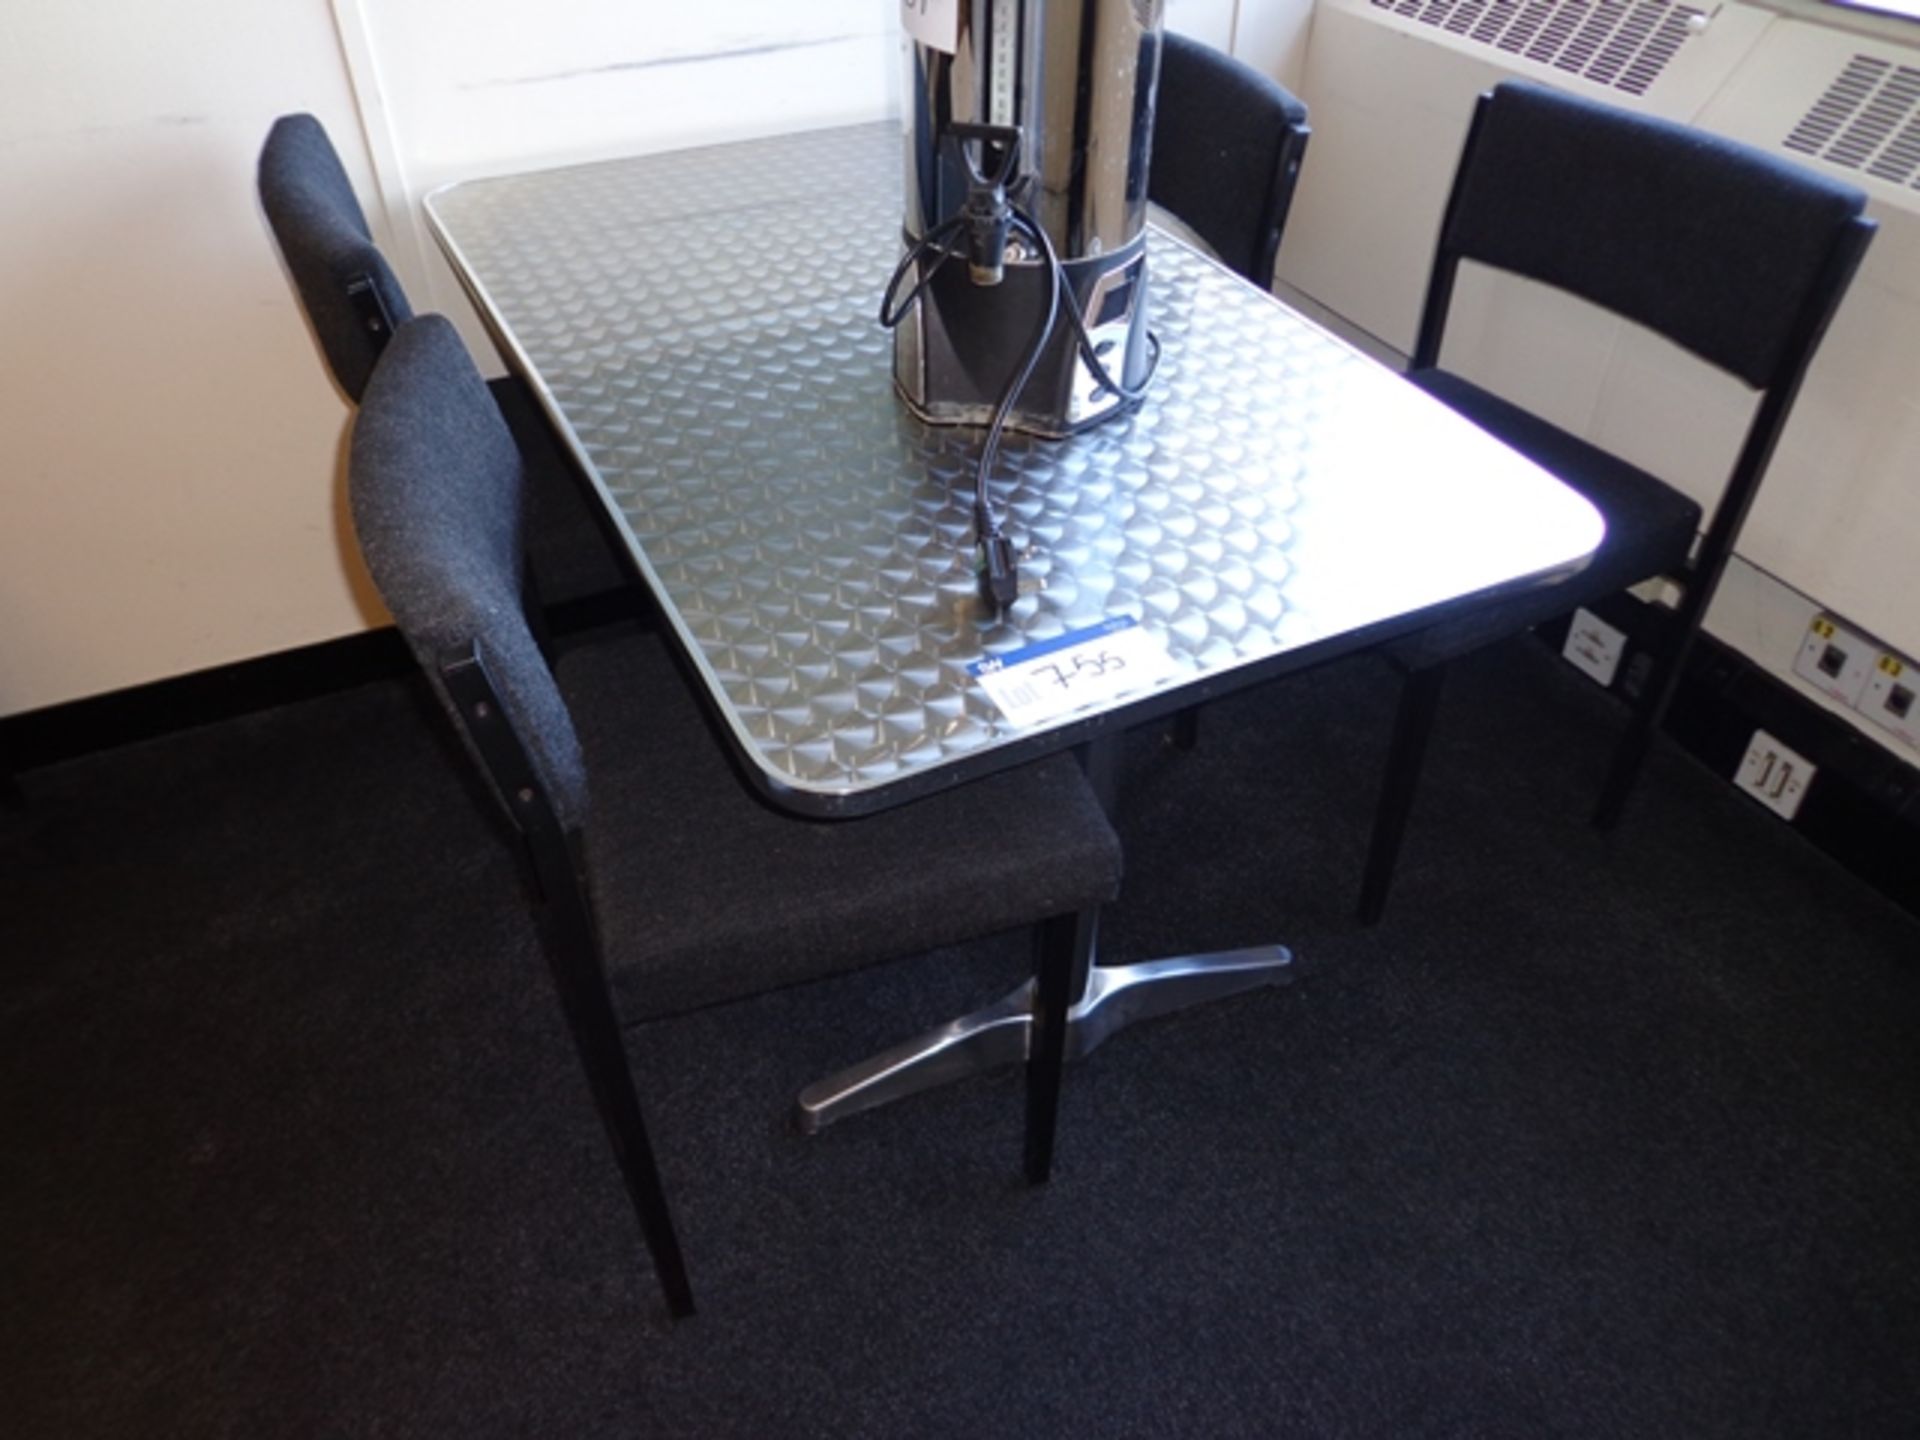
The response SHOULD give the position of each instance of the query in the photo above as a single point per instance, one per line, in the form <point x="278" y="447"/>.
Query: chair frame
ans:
<point x="1699" y="577"/>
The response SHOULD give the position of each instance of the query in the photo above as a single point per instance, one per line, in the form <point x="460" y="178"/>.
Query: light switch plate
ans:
<point x="1594" y="646"/>
<point x="1835" y="661"/>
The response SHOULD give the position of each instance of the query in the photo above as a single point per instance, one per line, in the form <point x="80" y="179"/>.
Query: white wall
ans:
<point x="167" y="500"/>
<point x="1272" y="36"/>
<point x="1210" y="20"/>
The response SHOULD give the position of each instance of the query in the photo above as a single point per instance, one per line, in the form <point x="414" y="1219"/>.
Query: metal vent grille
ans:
<point x="1624" y="44"/>
<point x="1869" y="120"/>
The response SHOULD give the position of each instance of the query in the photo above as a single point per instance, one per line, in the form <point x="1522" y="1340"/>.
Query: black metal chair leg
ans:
<point x="1412" y="725"/>
<point x="1063" y="948"/>
<point x="1630" y="755"/>
<point x="596" y="1036"/>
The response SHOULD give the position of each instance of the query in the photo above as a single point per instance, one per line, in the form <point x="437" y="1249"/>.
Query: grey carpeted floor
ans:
<point x="1592" y="1137"/>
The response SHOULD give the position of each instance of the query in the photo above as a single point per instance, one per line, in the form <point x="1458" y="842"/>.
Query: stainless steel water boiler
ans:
<point x="1028" y="127"/>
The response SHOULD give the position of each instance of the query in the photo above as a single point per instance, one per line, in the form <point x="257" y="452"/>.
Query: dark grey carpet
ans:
<point x="1591" y="1138"/>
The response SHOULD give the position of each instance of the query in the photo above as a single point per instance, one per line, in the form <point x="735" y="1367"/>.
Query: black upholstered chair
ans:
<point x="354" y="302"/>
<point x="666" y="885"/>
<point x="1737" y="256"/>
<point x="1227" y="146"/>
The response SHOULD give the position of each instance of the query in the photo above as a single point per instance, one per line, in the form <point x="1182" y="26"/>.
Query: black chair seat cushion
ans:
<point x="704" y="893"/>
<point x="1650" y="526"/>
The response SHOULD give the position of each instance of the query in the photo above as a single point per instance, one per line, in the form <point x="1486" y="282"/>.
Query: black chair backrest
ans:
<point x="1730" y="252"/>
<point x="434" y="481"/>
<point x="351" y="294"/>
<point x="1227" y="144"/>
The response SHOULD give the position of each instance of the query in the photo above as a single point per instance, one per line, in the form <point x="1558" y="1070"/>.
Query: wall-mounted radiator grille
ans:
<point x="1869" y="119"/>
<point x="1624" y="44"/>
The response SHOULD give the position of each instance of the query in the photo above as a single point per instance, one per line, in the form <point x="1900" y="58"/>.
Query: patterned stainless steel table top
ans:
<point x="702" y="326"/>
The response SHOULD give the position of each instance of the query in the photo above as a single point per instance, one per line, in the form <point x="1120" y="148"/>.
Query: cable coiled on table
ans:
<point x="998" y="570"/>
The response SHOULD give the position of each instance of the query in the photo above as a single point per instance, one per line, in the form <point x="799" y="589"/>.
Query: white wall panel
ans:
<point x="170" y="500"/>
<point x="1271" y="36"/>
<point x="1207" y="20"/>
<point x="481" y="86"/>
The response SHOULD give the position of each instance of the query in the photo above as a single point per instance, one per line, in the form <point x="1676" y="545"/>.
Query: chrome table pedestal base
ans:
<point x="1113" y="997"/>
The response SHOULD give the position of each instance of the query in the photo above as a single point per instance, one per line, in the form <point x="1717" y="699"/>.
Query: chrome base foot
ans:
<point x="1115" y="997"/>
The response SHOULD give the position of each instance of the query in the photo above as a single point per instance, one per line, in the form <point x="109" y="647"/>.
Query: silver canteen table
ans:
<point x="700" y="326"/>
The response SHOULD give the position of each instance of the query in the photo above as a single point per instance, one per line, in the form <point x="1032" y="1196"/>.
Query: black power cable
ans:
<point x="998" y="568"/>
<point x="934" y="241"/>
<point x="999" y="571"/>
<point x="1104" y="383"/>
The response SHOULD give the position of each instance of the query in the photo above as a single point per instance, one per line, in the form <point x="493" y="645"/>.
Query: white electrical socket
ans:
<point x="1594" y="646"/>
<point x="1892" y="697"/>
<point x="1774" y="775"/>
<point x="1835" y="661"/>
